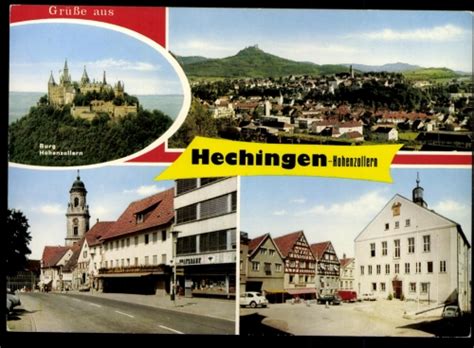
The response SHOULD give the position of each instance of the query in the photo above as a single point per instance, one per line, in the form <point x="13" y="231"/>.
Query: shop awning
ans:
<point x="301" y="291"/>
<point x="124" y="275"/>
<point x="274" y="291"/>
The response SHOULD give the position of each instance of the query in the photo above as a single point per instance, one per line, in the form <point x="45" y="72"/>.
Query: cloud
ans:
<point x="298" y="200"/>
<point x="145" y="190"/>
<point x="121" y="64"/>
<point x="280" y="212"/>
<point x="450" y="206"/>
<point x="205" y="48"/>
<point x="447" y="32"/>
<point x="367" y="204"/>
<point x="51" y="209"/>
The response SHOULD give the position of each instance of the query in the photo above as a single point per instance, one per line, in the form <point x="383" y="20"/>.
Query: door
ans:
<point x="397" y="288"/>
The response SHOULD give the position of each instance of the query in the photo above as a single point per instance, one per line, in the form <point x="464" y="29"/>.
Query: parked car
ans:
<point x="12" y="300"/>
<point x="347" y="295"/>
<point x="451" y="311"/>
<point x="331" y="299"/>
<point x="368" y="297"/>
<point x="253" y="299"/>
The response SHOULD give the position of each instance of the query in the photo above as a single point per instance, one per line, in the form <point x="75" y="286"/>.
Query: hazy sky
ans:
<point x="38" y="49"/>
<point x="43" y="195"/>
<point x="425" y="38"/>
<point x="338" y="209"/>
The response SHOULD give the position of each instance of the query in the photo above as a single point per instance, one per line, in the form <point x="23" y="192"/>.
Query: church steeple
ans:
<point x="418" y="193"/>
<point x="77" y="212"/>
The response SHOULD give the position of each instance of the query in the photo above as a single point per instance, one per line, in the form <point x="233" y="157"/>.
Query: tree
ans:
<point x="18" y="239"/>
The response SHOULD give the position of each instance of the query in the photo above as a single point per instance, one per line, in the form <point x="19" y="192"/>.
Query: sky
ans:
<point x="338" y="209"/>
<point x="38" y="49"/>
<point x="43" y="195"/>
<point x="373" y="37"/>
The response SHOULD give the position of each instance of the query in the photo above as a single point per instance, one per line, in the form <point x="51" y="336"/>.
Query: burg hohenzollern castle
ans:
<point x="89" y="98"/>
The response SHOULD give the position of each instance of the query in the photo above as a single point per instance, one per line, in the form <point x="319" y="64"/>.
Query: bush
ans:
<point x="390" y="297"/>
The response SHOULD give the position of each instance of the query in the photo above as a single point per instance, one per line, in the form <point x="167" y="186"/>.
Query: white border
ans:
<point x="164" y="52"/>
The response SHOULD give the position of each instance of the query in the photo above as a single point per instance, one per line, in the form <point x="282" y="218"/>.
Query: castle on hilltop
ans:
<point x="67" y="91"/>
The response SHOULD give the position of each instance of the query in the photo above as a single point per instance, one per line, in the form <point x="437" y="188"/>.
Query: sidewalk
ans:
<point x="215" y="308"/>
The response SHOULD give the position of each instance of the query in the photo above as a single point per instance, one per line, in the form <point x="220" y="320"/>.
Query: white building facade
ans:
<point x="206" y="225"/>
<point x="413" y="253"/>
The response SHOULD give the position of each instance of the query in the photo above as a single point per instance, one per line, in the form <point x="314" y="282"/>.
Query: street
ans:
<point x="56" y="312"/>
<point x="378" y="318"/>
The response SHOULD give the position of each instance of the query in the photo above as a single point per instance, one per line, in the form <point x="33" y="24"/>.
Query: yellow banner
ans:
<point x="207" y="157"/>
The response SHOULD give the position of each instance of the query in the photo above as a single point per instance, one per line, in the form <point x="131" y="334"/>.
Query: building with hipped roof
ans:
<point x="327" y="268"/>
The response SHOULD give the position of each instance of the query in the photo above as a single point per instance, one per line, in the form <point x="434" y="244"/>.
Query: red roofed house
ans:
<point x="299" y="269"/>
<point x="52" y="262"/>
<point x="347" y="273"/>
<point x="327" y="268"/>
<point x="137" y="247"/>
<point x="265" y="267"/>
<point x="89" y="258"/>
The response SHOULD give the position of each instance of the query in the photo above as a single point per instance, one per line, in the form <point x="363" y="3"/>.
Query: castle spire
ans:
<point x="85" y="77"/>
<point x="104" y="81"/>
<point x="66" y="78"/>
<point x="51" y="79"/>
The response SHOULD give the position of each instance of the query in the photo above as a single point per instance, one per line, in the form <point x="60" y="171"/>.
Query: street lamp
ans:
<point x="174" y="235"/>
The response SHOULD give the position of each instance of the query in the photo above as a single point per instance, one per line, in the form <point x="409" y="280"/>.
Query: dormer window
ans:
<point x="139" y="217"/>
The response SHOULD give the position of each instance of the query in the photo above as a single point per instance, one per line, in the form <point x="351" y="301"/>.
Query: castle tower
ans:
<point x="65" y="77"/>
<point x="85" y="78"/>
<point x="418" y="193"/>
<point x="119" y="89"/>
<point x="77" y="212"/>
<point x="104" y="81"/>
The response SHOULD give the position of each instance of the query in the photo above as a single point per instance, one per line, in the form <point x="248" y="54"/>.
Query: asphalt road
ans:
<point x="50" y="312"/>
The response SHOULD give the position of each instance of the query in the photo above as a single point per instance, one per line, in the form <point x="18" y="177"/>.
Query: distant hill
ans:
<point x="252" y="62"/>
<point x="391" y="67"/>
<point x="431" y="74"/>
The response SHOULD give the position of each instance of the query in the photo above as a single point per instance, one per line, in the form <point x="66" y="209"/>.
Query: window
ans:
<point x="442" y="266"/>
<point x="116" y="245"/>
<point x="418" y="267"/>
<point x="214" y="207"/>
<point x="184" y="185"/>
<point x="387" y="226"/>
<point x="136" y="261"/>
<point x="106" y="264"/>
<point x="76" y="201"/>
<point x="147" y="238"/>
<point x="128" y="242"/>
<point x="146" y="260"/>
<point x="302" y="264"/>
<point x="397" y="224"/>
<point x="426" y="244"/>
<point x="155" y="237"/>
<point x="361" y="270"/>
<point x="429" y="266"/>
<point x="122" y="262"/>
<point x="106" y="246"/>
<point x="155" y="259"/>
<point x="372" y="249"/>
<point x="291" y="278"/>
<point x="76" y="230"/>
<point x="382" y="286"/>
<point x="384" y="248"/>
<point x="378" y="269"/>
<point x="233" y="201"/>
<point x="424" y="287"/>
<point x="188" y="213"/>
<point x="213" y="241"/>
<point x="387" y="269"/>
<point x="397" y="247"/>
<point x="163" y="236"/>
<point x="128" y="262"/>
<point x="397" y="268"/>
<point x="374" y="286"/>
<point x="122" y="243"/>
<point x="412" y="287"/>
<point x="369" y="271"/>
<point x="407" y="223"/>
<point x="186" y="245"/>
<point x="271" y="252"/>
<point x="84" y="254"/>
<point x="267" y="268"/>
<point x="263" y="251"/>
<point x="277" y="267"/>
<point x="411" y="245"/>
<point x="407" y="268"/>
<point x="163" y="259"/>
<point x="205" y="181"/>
<point x="139" y="218"/>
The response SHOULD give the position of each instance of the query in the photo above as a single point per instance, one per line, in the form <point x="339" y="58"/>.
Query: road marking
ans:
<point x="95" y="304"/>
<point x="128" y="315"/>
<point x="172" y="330"/>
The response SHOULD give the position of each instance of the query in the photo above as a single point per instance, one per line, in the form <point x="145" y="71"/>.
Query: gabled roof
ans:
<point x="256" y="242"/>
<point x="97" y="231"/>
<point x="285" y="243"/>
<point x="346" y="261"/>
<point x="318" y="249"/>
<point x="53" y="254"/>
<point x="157" y="210"/>
<point x="72" y="262"/>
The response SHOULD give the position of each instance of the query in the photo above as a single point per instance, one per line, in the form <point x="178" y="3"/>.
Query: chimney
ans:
<point x="97" y="220"/>
<point x="344" y="255"/>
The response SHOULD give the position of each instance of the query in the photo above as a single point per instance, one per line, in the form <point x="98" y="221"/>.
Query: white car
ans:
<point x="253" y="299"/>
<point x="368" y="297"/>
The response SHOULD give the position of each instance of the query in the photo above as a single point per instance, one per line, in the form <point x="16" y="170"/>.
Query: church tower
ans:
<point x="77" y="212"/>
<point x="418" y="193"/>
